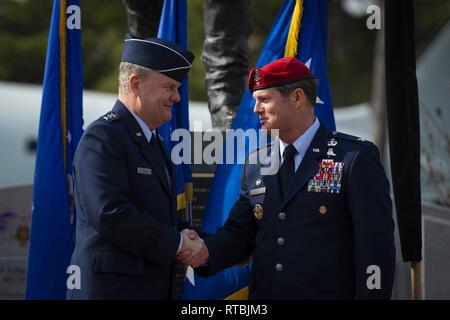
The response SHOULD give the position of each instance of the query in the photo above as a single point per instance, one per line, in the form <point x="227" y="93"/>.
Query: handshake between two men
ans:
<point x="193" y="250"/>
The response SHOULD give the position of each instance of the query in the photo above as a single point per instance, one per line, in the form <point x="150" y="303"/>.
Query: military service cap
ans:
<point x="160" y="55"/>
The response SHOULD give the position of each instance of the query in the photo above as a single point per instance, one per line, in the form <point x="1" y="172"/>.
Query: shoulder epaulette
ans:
<point x="348" y="137"/>
<point x="267" y="146"/>
<point x="264" y="150"/>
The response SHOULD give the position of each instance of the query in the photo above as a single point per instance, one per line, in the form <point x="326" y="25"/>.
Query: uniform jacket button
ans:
<point x="282" y="216"/>
<point x="278" y="267"/>
<point x="280" y="241"/>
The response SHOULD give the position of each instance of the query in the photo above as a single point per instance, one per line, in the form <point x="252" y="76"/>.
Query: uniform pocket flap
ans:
<point x="113" y="262"/>
<point x="330" y="283"/>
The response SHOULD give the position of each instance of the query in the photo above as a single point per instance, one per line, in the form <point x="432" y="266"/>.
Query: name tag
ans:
<point x="255" y="192"/>
<point x="146" y="171"/>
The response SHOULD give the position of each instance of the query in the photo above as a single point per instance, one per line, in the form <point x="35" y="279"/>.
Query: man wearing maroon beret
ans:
<point x="321" y="227"/>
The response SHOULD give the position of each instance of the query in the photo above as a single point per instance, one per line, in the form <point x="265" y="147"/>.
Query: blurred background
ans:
<point x="24" y="30"/>
<point x="355" y="54"/>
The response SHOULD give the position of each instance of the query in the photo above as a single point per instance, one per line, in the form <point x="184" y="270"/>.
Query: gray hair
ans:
<point x="309" y="87"/>
<point x="126" y="69"/>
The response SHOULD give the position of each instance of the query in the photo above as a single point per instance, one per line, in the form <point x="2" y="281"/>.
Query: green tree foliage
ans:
<point x="196" y="35"/>
<point x="104" y="25"/>
<point x="23" y="39"/>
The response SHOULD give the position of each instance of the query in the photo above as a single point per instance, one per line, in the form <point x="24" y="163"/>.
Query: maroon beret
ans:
<point x="278" y="73"/>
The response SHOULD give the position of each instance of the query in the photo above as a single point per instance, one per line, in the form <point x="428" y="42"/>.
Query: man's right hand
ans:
<point x="193" y="250"/>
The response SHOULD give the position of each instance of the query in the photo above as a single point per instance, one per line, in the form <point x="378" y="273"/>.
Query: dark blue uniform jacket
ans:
<point x="316" y="243"/>
<point x="126" y="223"/>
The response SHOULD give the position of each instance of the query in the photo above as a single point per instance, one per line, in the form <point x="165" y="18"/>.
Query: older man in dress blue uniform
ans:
<point x="321" y="227"/>
<point x="127" y="233"/>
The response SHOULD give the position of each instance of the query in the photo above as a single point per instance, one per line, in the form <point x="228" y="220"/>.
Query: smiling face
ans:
<point x="274" y="110"/>
<point x="290" y="113"/>
<point x="156" y="93"/>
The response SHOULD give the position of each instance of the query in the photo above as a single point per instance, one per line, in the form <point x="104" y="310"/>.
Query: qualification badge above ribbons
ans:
<point x="328" y="178"/>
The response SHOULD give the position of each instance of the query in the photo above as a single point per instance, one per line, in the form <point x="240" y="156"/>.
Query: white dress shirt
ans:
<point x="302" y="143"/>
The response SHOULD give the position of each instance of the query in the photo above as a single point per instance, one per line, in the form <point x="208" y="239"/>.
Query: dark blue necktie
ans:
<point x="287" y="169"/>
<point x="158" y="158"/>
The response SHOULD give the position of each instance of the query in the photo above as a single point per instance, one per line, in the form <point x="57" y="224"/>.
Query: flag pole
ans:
<point x="404" y="132"/>
<point x="416" y="280"/>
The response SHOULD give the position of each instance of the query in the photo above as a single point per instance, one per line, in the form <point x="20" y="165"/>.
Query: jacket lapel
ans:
<point x="166" y="155"/>
<point x="173" y="182"/>
<point x="273" y="195"/>
<point x="172" y="176"/>
<point x="310" y="163"/>
<point x="138" y="136"/>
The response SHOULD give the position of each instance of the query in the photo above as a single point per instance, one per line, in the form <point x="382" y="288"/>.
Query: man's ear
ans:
<point x="133" y="84"/>
<point x="298" y="97"/>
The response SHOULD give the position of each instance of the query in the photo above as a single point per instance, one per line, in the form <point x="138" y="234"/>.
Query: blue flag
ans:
<point x="311" y="49"/>
<point x="60" y="129"/>
<point x="173" y="27"/>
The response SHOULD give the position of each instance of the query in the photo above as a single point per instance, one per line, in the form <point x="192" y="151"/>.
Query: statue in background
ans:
<point x="227" y="26"/>
<point x="143" y="17"/>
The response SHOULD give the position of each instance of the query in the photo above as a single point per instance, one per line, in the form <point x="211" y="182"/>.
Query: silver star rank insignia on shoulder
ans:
<point x="111" y="116"/>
